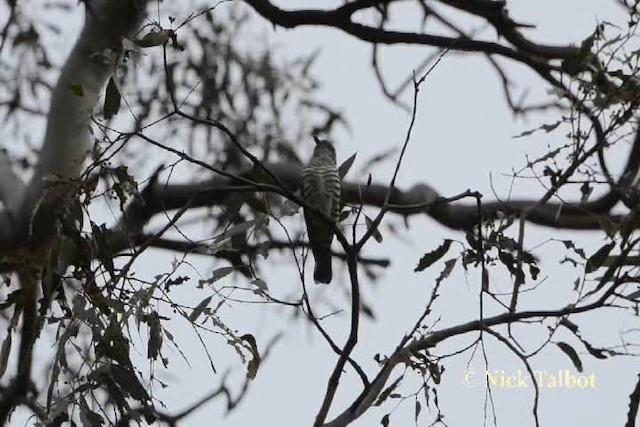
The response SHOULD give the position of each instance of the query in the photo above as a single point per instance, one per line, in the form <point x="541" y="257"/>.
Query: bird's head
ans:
<point x="324" y="146"/>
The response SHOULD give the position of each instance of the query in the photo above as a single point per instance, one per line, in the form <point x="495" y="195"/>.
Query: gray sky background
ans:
<point x="463" y="139"/>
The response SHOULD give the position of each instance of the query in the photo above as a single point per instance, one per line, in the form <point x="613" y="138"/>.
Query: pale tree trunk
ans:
<point x="94" y="58"/>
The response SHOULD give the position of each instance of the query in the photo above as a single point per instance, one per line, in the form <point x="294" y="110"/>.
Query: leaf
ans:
<point x="199" y="308"/>
<point x="113" y="345"/>
<point x="417" y="410"/>
<point x="634" y="403"/>
<point x="112" y="99"/>
<point x="105" y="254"/>
<point x="546" y="127"/>
<point x="154" y="38"/>
<point x="175" y="281"/>
<point x="569" y="245"/>
<point x="634" y="295"/>
<point x="12" y="298"/>
<point x="435" y="372"/>
<point x="376" y="234"/>
<point x="29" y="36"/>
<point x="573" y="355"/>
<point x="448" y="268"/>
<point x="155" y="336"/>
<point x="595" y="352"/>
<point x="261" y="286"/>
<point x="236" y="229"/>
<point x="387" y="391"/>
<point x="216" y="275"/>
<point x="262" y="249"/>
<point x="549" y="155"/>
<point x="346" y="165"/>
<point x="534" y="271"/>
<point x="254" y="364"/>
<point x="88" y="417"/>
<point x="124" y="185"/>
<point x="4" y="353"/>
<point x="344" y="215"/>
<point x="385" y="420"/>
<point x="585" y="190"/>
<point x="570" y="325"/>
<point x="431" y="257"/>
<point x="512" y="265"/>
<point x="129" y="382"/>
<point x="596" y="260"/>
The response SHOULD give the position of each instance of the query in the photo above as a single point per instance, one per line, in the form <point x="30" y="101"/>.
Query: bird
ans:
<point x="321" y="191"/>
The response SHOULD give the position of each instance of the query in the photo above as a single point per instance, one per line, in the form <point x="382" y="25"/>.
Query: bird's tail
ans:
<point x="322" y="271"/>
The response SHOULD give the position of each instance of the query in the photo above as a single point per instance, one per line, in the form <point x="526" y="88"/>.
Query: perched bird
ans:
<point x="321" y="190"/>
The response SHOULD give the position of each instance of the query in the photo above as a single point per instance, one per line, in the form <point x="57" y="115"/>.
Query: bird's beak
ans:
<point x="316" y="139"/>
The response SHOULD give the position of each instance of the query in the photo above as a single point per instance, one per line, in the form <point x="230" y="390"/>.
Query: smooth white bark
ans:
<point x="92" y="61"/>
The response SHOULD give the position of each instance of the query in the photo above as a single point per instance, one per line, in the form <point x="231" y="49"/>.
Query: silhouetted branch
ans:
<point x="231" y="254"/>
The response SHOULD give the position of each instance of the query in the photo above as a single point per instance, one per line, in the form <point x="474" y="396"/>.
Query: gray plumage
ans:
<point x="321" y="190"/>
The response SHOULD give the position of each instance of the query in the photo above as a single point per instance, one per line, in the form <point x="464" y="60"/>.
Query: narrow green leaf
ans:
<point x="596" y="260"/>
<point x="261" y="286"/>
<point x="4" y="353"/>
<point x="200" y="308"/>
<point x="88" y="417"/>
<point x="546" y="128"/>
<point x="448" y="268"/>
<point x="217" y="274"/>
<point x="634" y="295"/>
<point x="254" y="363"/>
<point x="236" y="229"/>
<point x="387" y="391"/>
<point x="155" y="336"/>
<point x="573" y="355"/>
<point x="436" y="372"/>
<point x="154" y="38"/>
<point x="595" y="352"/>
<point x="376" y="234"/>
<point x="634" y="404"/>
<point x="431" y="257"/>
<point x="129" y="382"/>
<point x="346" y="165"/>
<point x="112" y="99"/>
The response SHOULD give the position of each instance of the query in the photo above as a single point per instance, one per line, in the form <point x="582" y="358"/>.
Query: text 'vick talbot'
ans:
<point x="522" y="379"/>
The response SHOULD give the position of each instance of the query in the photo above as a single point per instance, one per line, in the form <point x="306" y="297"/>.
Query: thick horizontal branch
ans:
<point x="420" y="199"/>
